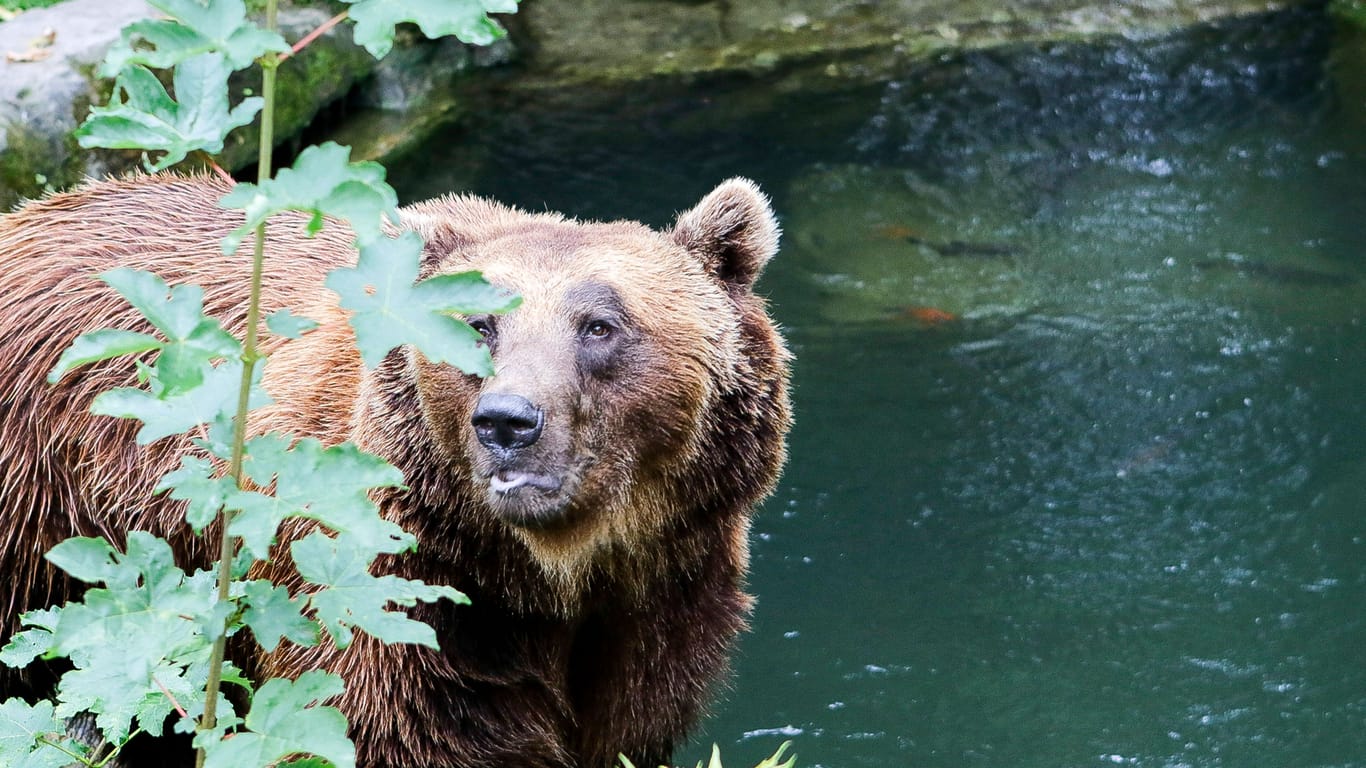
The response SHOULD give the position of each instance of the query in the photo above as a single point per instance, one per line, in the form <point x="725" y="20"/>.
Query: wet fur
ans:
<point x="600" y="636"/>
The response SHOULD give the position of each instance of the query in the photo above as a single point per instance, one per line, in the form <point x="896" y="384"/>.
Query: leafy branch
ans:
<point x="147" y="642"/>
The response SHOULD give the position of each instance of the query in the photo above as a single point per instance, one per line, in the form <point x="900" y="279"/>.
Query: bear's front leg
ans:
<point x="640" y="679"/>
<point x="411" y="706"/>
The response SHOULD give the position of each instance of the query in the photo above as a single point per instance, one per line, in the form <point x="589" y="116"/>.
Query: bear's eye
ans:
<point x="597" y="329"/>
<point x="482" y="325"/>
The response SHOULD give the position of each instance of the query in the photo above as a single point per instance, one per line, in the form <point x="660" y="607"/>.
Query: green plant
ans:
<point x="147" y="642"/>
<point x="23" y="5"/>
<point x="773" y="761"/>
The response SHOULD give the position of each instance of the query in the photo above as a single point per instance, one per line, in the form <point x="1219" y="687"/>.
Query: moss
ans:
<point x="24" y="5"/>
<point x="599" y="42"/>
<point x="259" y="6"/>
<point x="1349" y="12"/>
<point x="32" y="164"/>
<point x="302" y="82"/>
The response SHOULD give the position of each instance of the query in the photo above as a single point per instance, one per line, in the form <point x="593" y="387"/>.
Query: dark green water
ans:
<point x="1110" y="514"/>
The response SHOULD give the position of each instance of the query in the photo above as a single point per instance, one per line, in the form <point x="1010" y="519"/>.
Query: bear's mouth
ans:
<point x="528" y="499"/>
<point x="507" y="481"/>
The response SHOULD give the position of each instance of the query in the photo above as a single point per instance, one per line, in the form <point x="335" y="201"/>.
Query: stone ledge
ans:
<point x="43" y="100"/>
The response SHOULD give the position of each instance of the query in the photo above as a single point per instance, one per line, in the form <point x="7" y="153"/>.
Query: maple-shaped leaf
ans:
<point x="390" y="309"/>
<point x="141" y="115"/>
<point x="467" y="20"/>
<point x="194" y="27"/>
<point x="331" y="485"/>
<point x="355" y="598"/>
<point x="274" y="615"/>
<point x="286" y="718"/>
<point x="27" y="732"/>
<point x="196" y="483"/>
<point x="323" y="182"/>
<point x="164" y="414"/>
<point x="139" y="633"/>
<point x="192" y="339"/>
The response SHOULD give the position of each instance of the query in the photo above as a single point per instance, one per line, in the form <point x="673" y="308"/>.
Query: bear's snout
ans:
<point x="506" y="422"/>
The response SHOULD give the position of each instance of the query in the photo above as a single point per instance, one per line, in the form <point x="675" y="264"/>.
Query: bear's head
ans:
<point x="639" y="382"/>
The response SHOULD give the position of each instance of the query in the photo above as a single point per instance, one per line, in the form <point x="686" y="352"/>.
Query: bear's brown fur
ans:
<point x="605" y="557"/>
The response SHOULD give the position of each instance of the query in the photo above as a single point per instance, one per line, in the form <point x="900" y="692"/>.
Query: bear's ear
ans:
<point x="733" y="231"/>
<point x="451" y="224"/>
<point x="439" y="230"/>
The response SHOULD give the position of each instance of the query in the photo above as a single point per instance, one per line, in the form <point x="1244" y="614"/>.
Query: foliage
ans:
<point x="376" y="19"/>
<point x="14" y="6"/>
<point x="141" y="115"/>
<point x="146" y="643"/>
<point x="1351" y="11"/>
<point x="773" y="761"/>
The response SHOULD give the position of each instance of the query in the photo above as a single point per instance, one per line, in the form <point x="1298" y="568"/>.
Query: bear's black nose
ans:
<point x="506" y="421"/>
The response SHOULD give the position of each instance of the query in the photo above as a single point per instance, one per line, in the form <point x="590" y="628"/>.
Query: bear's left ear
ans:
<point x="733" y="231"/>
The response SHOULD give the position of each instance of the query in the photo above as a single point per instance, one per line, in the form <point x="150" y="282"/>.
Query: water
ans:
<point x="1078" y="469"/>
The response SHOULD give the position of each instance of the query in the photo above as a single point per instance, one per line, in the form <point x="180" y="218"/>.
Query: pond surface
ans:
<point x="1078" y="471"/>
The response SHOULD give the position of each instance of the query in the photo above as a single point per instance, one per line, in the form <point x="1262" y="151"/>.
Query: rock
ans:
<point x="815" y="42"/>
<point x="42" y="101"/>
<point x="46" y="91"/>
<point x="412" y="92"/>
<point x="568" y="53"/>
<point x="323" y="73"/>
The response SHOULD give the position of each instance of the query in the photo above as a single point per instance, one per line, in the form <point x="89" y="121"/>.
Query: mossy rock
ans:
<point x="42" y="101"/>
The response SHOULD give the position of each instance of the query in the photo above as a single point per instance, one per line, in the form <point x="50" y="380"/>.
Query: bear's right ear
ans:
<point x="733" y="230"/>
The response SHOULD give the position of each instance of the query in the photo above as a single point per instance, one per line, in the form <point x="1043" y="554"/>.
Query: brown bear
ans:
<point x="592" y="498"/>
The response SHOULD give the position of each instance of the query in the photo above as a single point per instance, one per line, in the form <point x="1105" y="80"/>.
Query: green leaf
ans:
<point x="466" y="19"/>
<point x="330" y="485"/>
<point x="113" y="687"/>
<point x="88" y="559"/>
<point x="26" y="646"/>
<point x="121" y="683"/>
<point x="196" y="483"/>
<point x="192" y="338"/>
<point x="306" y="762"/>
<point x="141" y="115"/>
<point x="388" y="310"/>
<point x="195" y="27"/>
<point x="33" y="642"/>
<point x="322" y="182"/>
<point x="289" y="325"/>
<point x="772" y="762"/>
<point x="22" y="725"/>
<point x="355" y="598"/>
<point x="127" y="640"/>
<point x="218" y="437"/>
<point x="169" y="414"/>
<point x="273" y="615"/>
<point x="285" y="719"/>
<point x="101" y="345"/>
<point x="131" y="641"/>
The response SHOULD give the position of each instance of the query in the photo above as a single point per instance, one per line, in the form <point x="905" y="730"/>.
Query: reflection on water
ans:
<point x="1078" y="467"/>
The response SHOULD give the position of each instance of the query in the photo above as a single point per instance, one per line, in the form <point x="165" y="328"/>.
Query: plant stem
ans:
<point x="315" y="34"/>
<point x="171" y="696"/>
<point x="250" y="356"/>
<point x="114" y="751"/>
<point x="216" y="168"/>
<point x="57" y="746"/>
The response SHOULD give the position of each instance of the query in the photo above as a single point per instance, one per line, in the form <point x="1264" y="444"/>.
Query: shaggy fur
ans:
<point x="604" y="604"/>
